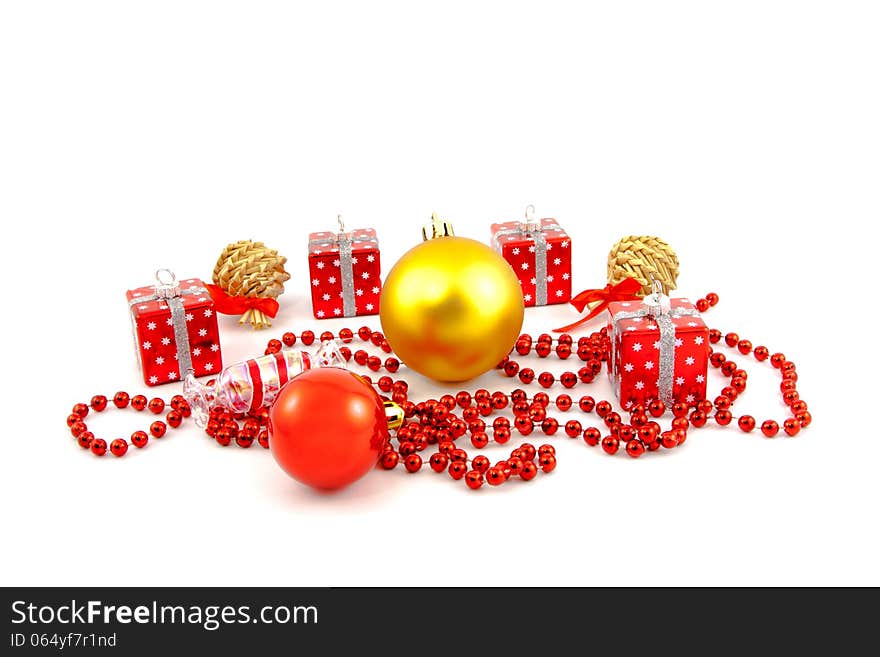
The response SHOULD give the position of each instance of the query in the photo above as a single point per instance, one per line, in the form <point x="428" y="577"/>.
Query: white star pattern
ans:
<point x="557" y="261"/>
<point x="359" y="292"/>
<point x="558" y="293"/>
<point x="565" y="276"/>
<point x="689" y="399"/>
<point x="142" y="307"/>
<point x="657" y="344"/>
<point x="678" y="342"/>
<point x="208" y="312"/>
<point x="166" y="341"/>
<point x="315" y="282"/>
<point x="628" y="405"/>
<point x="172" y="375"/>
<point x="147" y="345"/>
<point x="640" y="385"/>
<point x="331" y="280"/>
<point x="160" y="360"/>
<point x="515" y="251"/>
<point x="632" y="328"/>
<point x="203" y="332"/>
<point x="354" y="260"/>
<point x="337" y="311"/>
<point x="626" y="304"/>
<point x="550" y="278"/>
<point x="679" y="380"/>
<point x="527" y="297"/>
<point x="365" y="275"/>
<point x="698" y="339"/>
<point x="325" y="297"/>
<point x="197" y="352"/>
<point x="136" y="294"/>
<point x="532" y="249"/>
<point x="154" y="380"/>
<point x="700" y="378"/>
<point x="375" y="290"/>
<point x="549" y="247"/>
<point x="215" y="347"/>
<point x="369" y="307"/>
<point x="689" y="360"/>
<point x="336" y="262"/>
<point x="524" y="266"/>
<point x="371" y="258"/>
<point x="169" y="321"/>
<point x="649" y="365"/>
<point x="209" y="367"/>
<point x="151" y="326"/>
<point x="565" y="244"/>
<point x="692" y="324"/>
<point x="189" y="317"/>
<point x="629" y="367"/>
<point x="320" y="265"/>
<point x="320" y="314"/>
<point x="637" y="346"/>
<point x="534" y="281"/>
<point x="651" y="327"/>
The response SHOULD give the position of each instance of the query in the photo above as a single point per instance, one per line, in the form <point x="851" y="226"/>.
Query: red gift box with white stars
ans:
<point x="544" y="278"/>
<point x="638" y="353"/>
<point x="153" y="324"/>
<point x="345" y="277"/>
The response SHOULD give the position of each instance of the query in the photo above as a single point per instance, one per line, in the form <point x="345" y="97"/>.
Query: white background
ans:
<point x="138" y="136"/>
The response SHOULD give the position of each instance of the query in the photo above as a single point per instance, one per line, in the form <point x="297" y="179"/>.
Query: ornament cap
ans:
<point x="393" y="415"/>
<point x="437" y="228"/>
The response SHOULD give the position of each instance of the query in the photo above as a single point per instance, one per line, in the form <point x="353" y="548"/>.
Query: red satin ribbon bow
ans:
<point x="624" y="291"/>
<point x="229" y="305"/>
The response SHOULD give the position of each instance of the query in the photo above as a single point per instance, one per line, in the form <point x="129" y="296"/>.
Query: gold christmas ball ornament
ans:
<point x="644" y="258"/>
<point x="451" y="307"/>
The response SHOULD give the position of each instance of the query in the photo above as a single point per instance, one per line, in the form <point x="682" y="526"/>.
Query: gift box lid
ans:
<point x="193" y="294"/>
<point x="514" y="232"/>
<point x="326" y="242"/>
<point x="647" y="323"/>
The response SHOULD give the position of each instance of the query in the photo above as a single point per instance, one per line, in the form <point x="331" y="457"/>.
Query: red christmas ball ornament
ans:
<point x="327" y="428"/>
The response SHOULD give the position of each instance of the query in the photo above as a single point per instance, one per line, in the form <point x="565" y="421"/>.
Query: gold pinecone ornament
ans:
<point x="252" y="275"/>
<point x="644" y="258"/>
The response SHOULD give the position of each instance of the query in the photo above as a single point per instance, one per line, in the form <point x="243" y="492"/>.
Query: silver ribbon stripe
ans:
<point x="343" y="241"/>
<point x="663" y="316"/>
<point x="174" y="298"/>
<point x="536" y="234"/>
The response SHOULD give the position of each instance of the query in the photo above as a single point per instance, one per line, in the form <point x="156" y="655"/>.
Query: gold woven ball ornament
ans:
<point x="643" y="257"/>
<point x="451" y="307"/>
<point x="252" y="275"/>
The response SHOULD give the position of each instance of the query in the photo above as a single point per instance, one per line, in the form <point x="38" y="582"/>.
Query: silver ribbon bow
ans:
<point x="531" y="229"/>
<point x="343" y="241"/>
<point x="167" y="290"/>
<point x="657" y="306"/>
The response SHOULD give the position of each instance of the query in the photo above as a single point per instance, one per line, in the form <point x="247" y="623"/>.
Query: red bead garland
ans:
<point x="440" y="422"/>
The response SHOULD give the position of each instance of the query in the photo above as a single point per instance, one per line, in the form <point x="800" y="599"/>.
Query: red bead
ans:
<point x="638" y="419"/>
<point x="546" y="449"/>
<point x="98" y="403"/>
<point x="705" y="405"/>
<point x="81" y="409"/>
<point x="157" y="429"/>
<point x="118" y="447"/>
<point x="85" y="439"/>
<point x="74" y="418"/>
<point x="174" y="418"/>
<point x="528" y="451"/>
<point x="223" y="436"/>
<point x="156" y="405"/>
<point x="563" y="402"/>
<point x="717" y="359"/>
<point x="603" y="408"/>
<point x="495" y="476"/>
<point x="563" y="351"/>
<point x="413" y="463"/>
<point x="610" y="444"/>
<point x="746" y="423"/>
<point x="798" y="406"/>
<point x="648" y="434"/>
<point x="529" y="471"/>
<point x="121" y="399"/>
<point x="777" y="359"/>
<point x="791" y="426"/>
<point x="139" y="439"/>
<point x="612" y="420"/>
<point x="790" y="396"/>
<point x="307" y="337"/>
<point x="511" y="368"/>
<point x="524" y="424"/>
<point x="479" y="439"/>
<point x="289" y="339"/>
<point x="549" y="426"/>
<point x="738" y="383"/>
<point x="591" y="436"/>
<point x="668" y="439"/>
<point x="474" y="479"/>
<point x="731" y="339"/>
<point x="568" y="379"/>
<point x="722" y="403"/>
<point x="364" y="333"/>
<point x="728" y="368"/>
<point x="273" y="347"/>
<point x="712" y="298"/>
<point x="698" y="418"/>
<point x="680" y="423"/>
<point x="263" y="439"/>
<point x="723" y="417"/>
<point x="499" y="400"/>
<point x="480" y="463"/>
<point x="77" y="428"/>
<point x="374" y="363"/>
<point x="573" y="428"/>
<point x="635" y="448"/>
<point x="547" y="462"/>
<point x="389" y="459"/>
<point x="761" y="353"/>
<point x="702" y="305"/>
<point x="244" y="440"/>
<point x="515" y="464"/>
<point x="714" y="336"/>
<point x="656" y="408"/>
<point x="98" y="446"/>
<point x="769" y="428"/>
<point x="586" y="404"/>
<point x="744" y="346"/>
<point x="626" y="432"/>
<point x="458" y="455"/>
<point x="376" y="338"/>
<point x="527" y="375"/>
<point x="804" y="418"/>
<point x="542" y="349"/>
<point x="679" y="409"/>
